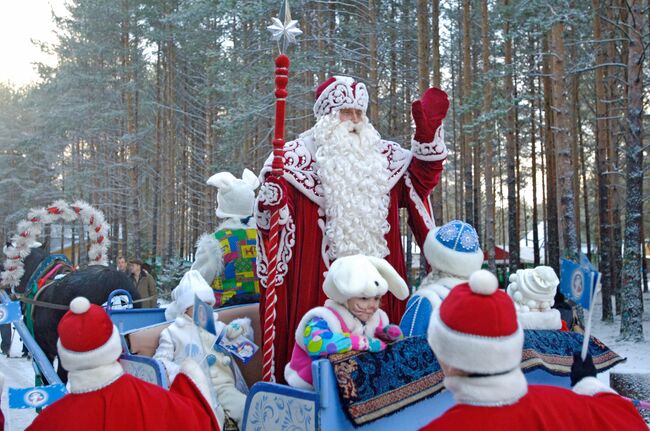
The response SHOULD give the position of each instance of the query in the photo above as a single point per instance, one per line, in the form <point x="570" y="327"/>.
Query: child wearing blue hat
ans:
<point x="453" y="252"/>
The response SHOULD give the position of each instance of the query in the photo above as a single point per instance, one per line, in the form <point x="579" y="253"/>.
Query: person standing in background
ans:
<point x="121" y="264"/>
<point x="145" y="283"/>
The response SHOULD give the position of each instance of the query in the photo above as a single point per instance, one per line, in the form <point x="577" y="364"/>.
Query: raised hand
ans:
<point x="428" y="114"/>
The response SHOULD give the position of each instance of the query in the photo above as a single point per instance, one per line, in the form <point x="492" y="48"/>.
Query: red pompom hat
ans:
<point x="475" y="329"/>
<point x="340" y="92"/>
<point x="87" y="337"/>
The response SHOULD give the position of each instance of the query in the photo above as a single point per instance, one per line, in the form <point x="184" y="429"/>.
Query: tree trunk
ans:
<point x="533" y="151"/>
<point x="632" y="299"/>
<point x="552" y="239"/>
<point x="458" y="190"/>
<point x="392" y="112"/>
<point x="465" y="140"/>
<point x="488" y="140"/>
<point x="435" y="42"/>
<point x="585" y="188"/>
<point x="616" y="12"/>
<point x="511" y="152"/>
<point x="602" y="166"/>
<point x="438" y="199"/>
<point x="561" y="139"/>
<point x="374" y="63"/>
<point x="575" y="186"/>
<point x="423" y="45"/>
<point x="155" y="225"/>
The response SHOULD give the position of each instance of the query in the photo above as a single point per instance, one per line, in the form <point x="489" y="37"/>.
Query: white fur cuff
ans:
<point x="432" y="151"/>
<point x="294" y="380"/>
<point x="591" y="386"/>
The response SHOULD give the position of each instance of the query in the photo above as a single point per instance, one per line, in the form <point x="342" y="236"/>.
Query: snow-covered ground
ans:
<point x="18" y="372"/>
<point x="637" y="354"/>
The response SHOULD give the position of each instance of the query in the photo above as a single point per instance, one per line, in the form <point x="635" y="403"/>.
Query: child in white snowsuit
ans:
<point x="184" y="339"/>
<point x="350" y="319"/>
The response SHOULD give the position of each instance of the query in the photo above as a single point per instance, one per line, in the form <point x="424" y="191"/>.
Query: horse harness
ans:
<point x="43" y="277"/>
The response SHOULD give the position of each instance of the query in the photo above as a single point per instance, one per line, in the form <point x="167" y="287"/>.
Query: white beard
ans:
<point x="353" y="174"/>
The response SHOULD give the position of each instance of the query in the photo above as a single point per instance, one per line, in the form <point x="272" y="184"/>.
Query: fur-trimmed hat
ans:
<point x="475" y="329"/>
<point x="190" y="285"/>
<point x="362" y="276"/>
<point x="236" y="197"/>
<point x="454" y="248"/>
<point x="340" y="92"/>
<point x="87" y="337"/>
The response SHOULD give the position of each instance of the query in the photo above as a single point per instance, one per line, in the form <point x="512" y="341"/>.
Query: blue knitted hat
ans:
<point x="454" y="248"/>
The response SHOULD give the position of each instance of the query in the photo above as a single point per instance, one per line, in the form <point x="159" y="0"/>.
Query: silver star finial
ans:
<point x="286" y="32"/>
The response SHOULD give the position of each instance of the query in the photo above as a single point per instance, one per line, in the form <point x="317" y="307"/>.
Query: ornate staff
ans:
<point x="285" y="33"/>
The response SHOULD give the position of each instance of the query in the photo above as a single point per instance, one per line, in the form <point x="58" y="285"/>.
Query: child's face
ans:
<point x="190" y="311"/>
<point x="363" y="308"/>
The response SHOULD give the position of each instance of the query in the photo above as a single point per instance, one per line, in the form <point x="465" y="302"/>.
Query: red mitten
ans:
<point x="428" y="114"/>
<point x="273" y="193"/>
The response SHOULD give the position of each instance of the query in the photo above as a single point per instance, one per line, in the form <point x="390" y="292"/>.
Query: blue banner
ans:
<point x="10" y="312"/>
<point x="578" y="281"/>
<point x="203" y="316"/>
<point x="585" y="262"/>
<point x="33" y="398"/>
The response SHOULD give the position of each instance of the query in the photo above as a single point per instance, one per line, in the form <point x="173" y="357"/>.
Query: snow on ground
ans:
<point x="18" y="372"/>
<point x="637" y="354"/>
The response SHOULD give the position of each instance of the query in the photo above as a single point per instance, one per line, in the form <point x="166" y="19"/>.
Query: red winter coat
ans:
<point x="412" y="176"/>
<point x="130" y="404"/>
<point x="546" y="408"/>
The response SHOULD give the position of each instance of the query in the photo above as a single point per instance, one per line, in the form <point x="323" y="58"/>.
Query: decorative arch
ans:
<point x="30" y="229"/>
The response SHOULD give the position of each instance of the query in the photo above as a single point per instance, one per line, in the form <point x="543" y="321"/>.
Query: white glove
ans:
<point x="234" y="330"/>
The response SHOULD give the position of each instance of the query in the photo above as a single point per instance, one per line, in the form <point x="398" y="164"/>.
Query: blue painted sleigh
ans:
<point x="399" y="388"/>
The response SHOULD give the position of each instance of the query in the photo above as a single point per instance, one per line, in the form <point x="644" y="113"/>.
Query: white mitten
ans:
<point x="240" y="326"/>
<point x="234" y="330"/>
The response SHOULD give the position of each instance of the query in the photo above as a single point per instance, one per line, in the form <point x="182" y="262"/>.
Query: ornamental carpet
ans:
<point x="373" y="385"/>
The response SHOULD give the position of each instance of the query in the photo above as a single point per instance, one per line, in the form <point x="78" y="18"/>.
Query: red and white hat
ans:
<point x="475" y="329"/>
<point x="87" y="337"/>
<point x="340" y="92"/>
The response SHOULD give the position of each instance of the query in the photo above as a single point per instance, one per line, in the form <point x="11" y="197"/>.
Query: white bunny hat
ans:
<point x="236" y="197"/>
<point x="362" y="276"/>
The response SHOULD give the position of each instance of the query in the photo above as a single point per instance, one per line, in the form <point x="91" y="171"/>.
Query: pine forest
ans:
<point x="545" y="131"/>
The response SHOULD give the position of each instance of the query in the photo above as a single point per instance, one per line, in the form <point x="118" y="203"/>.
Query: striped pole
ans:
<point x="277" y="167"/>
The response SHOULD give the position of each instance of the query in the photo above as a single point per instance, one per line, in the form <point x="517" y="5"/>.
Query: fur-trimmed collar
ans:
<point x="94" y="379"/>
<point x="356" y="326"/>
<point x="300" y="168"/>
<point x="492" y="391"/>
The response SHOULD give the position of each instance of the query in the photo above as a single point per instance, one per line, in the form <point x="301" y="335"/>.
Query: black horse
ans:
<point x="94" y="282"/>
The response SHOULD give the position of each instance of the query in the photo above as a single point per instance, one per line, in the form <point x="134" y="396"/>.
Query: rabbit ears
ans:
<point x="362" y="276"/>
<point x="225" y="180"/>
